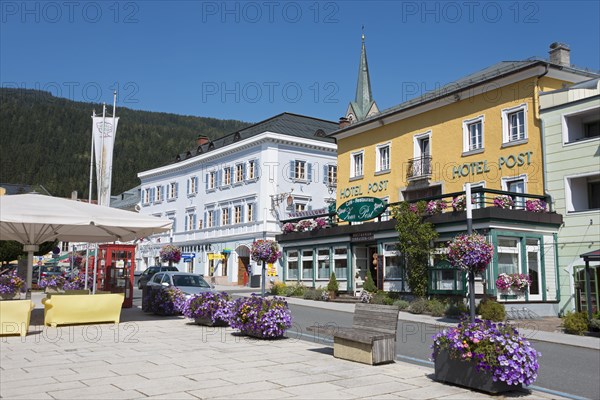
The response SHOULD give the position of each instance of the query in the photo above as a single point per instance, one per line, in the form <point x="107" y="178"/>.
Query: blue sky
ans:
<point x="252" y="60"/>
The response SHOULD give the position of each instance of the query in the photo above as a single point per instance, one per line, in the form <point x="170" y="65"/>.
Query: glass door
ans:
<point x="534" y="268"/>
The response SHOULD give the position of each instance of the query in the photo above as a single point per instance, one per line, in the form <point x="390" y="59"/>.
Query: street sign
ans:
<point x="187" y="257"/>
<point x="361" y="209"/>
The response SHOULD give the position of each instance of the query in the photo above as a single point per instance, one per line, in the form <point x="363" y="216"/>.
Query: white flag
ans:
<point x="104" y="138"/>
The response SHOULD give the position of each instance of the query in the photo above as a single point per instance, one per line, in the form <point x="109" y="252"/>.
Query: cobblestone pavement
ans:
<point x="168" y="357"/>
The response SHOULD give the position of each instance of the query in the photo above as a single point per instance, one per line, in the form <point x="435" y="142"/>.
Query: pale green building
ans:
<point x="571" y="147"/>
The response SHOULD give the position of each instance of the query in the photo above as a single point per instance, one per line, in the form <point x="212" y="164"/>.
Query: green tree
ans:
<point x="414" y="242"/>
<point x="369" y="284"/>
<point x="10" y="250"/>
<point x="333" y="285"/>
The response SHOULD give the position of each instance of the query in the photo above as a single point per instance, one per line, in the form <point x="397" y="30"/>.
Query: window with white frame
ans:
<point x="226" y="176"/>
<point x="582" y="192"/>
<point x="323" y="263"/>
<point x="516" y="185"/>
<point x="582" y="125"/>
<point x="298" y="170"/>
<point x="340" y="262"/>
<point x="172" y="191"/>
<point x="250" y="212"/>
<point x="473" y="134"/>
<point x="478" y="199"/>
<point x="509" y="255"/>
<point x="383" y="158"/>
<point x="190" y="221"/>
<point x="514" y="124"/>
<point x="239" y="173"/>
<point x="331" y="177"/>
<point x="225" y="216"/>
<point x="292" y="264"/>
<point x="252" y="174"/>
<point x="356" y="164"/>
<point x="158" y="194"/>
<point x="146" y="196"/>
<point x="192" y="185"/>
<point x="307" y="264"/>
<point x="299" y="207"/>
<point x="392" y="262"/>
<point x="211" y="181"/>
<point x="237" y="214"/>
<point x="210" y="218"/>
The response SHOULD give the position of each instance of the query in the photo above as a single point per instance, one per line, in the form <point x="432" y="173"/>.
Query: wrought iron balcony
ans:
<point x="419" y="168"/>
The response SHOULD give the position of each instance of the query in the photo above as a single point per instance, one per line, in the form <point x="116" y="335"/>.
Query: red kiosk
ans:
<point x="116" y="263"/>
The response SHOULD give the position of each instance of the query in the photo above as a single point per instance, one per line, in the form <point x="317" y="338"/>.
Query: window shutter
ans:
<point x="194" y="221"/>
<point x="196" y="184"/>
<point x="309" y="171"/>
<point x="189" y="181"/>
<point x="325" y="174"/>
<point x="244" y="171"/>
<point x="216" y="218"/>
<point x="152" y="195"/>
<point x="205" y="219"/>
<point x="292" y="169"/>
<point x="176" y="189"/>
<point x="207" y="180"/>
<point x="218" y="177"/>
<point x="187" y="217"/>
<point x="162" y="193"/>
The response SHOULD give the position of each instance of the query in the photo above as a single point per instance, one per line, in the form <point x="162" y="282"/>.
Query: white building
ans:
<point x="227" y="193"/>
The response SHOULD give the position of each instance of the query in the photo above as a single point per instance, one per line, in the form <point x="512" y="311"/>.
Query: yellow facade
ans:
<point x="451" y="166"/>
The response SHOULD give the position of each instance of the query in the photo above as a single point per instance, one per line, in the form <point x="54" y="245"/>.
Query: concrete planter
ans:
<point x="464" y="373"/>
<point x="205" y="321"/>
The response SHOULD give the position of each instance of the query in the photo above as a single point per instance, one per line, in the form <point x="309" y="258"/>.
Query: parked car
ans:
<point x="149" y="273"/>
<point x="187" y="282"/>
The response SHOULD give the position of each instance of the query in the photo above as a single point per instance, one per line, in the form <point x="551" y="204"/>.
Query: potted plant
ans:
<point x="211" y="309"/>
<point x="436" y="207"/>
<point x="512" y="285"/>
<point x="163" y="301"/>
<point x="52" y="283"/>
<point x="503" y="201"/>
<point x="288" y="227"/>
<point x="332" y="286"/>
<point x="485" y="356"/>
<point x="459" y="203"/>
<point x="10" y="286"/>
<point x="260" y="317"/>
<point x="78" y="282"/>
<point x="535" y="205"/>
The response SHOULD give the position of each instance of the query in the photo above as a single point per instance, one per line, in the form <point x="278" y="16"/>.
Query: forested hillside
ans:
<point x="46" y="140"/>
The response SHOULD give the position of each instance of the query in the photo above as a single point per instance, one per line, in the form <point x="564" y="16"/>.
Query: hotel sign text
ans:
<point x="479" y="167"/>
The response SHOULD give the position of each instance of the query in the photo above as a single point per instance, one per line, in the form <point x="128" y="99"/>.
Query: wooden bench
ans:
<point x="372" y="338"/>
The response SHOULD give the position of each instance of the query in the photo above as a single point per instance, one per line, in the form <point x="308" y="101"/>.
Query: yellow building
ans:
<point x="484" y="129"/>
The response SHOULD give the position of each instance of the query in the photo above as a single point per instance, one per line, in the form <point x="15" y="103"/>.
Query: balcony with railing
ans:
<point x="419" y="168"/>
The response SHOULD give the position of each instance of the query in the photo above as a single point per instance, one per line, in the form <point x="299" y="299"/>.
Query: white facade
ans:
<point x="571" y="129"/>
<point x="226" y="198"/>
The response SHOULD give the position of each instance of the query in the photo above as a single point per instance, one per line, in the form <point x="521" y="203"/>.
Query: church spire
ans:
<point x="363" y="105"/>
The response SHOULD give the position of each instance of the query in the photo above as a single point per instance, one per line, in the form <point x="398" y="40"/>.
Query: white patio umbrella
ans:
<point x="32" y="219"/>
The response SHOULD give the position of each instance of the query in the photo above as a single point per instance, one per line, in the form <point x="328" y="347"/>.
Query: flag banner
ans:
<point x="104" y="138"/>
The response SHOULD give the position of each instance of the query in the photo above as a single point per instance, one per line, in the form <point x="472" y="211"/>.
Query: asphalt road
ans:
<point x="563" y="369"/>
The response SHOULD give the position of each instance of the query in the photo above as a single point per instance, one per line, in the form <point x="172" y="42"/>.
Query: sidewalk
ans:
<point x="526" y="327"/>
<point x="168" y="357"/>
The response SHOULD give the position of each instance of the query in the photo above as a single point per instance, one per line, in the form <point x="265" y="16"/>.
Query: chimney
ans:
<point x="200" y="140"/>
<point x="560" y="54"/>
<point x="74" y="195"/>
<point x="344" y="123"/>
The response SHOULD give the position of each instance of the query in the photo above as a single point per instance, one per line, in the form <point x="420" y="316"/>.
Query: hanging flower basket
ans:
<point x="170" y="253"/>
<point x="265" y="250"/>
<point x="471" y="253"/>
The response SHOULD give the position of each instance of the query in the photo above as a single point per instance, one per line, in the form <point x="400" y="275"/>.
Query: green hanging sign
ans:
<point x="361" y="209"/>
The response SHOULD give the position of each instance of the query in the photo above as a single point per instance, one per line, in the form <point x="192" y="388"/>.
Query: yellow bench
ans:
<point x="15" y="316"/>
<point x="82" y="309"/>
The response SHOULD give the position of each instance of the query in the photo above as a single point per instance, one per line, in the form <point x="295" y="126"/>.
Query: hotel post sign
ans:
<point x="361" y="209"/>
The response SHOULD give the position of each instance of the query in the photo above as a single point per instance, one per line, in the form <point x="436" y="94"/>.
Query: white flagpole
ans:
<point x="87" y="252"/>
<point x="114" y="137"/>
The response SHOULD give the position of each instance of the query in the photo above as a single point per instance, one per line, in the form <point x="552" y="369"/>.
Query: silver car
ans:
<point x="186" y="282"/>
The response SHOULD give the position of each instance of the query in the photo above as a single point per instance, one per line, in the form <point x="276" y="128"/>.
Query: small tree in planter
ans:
<point x="333" y="286"/>
<point x="261" y="318"/>
<point x="369" y="285"/>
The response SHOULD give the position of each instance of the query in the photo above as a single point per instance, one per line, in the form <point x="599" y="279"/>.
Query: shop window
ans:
<point x="392" y="260"/>
<point x="532" y="247"/>
<point x="340" y="262"/>
<point x="292" y="264"/>
<point x="323" y="264"/>
<point x="307" y="264"/>
<point x="445" y="279"/>
<point x="509" y="258"/>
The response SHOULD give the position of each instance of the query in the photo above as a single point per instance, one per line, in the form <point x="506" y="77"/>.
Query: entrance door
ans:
<point x="243" y="263"/>
<point x="363" y="259"/>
